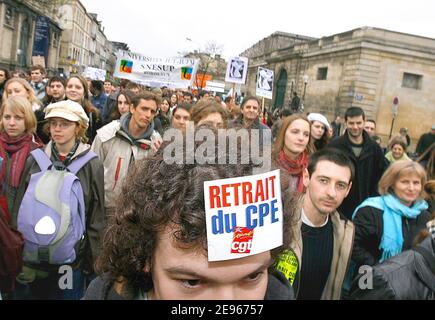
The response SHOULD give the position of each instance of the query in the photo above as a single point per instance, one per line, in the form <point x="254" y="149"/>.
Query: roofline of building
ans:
<point x="312" y="39"/>
<point x="381" y="29"/>
<point x="285" y="34"/>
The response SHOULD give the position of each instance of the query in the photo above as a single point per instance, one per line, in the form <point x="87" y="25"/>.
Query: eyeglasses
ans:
<point x="61" y="124"/>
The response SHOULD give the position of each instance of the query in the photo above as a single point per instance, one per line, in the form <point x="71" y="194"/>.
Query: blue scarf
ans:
<point x="393" y="211"/>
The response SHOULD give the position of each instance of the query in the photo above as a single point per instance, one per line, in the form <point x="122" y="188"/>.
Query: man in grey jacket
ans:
<point x="120" y="143"/>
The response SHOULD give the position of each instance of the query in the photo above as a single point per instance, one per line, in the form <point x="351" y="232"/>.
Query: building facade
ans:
<point x="366" y="67"/>
<point x="77" y="45"/>
<point x="84" y="43"/>
<point x="61" y="31"/>
<point x="28" y="29"/>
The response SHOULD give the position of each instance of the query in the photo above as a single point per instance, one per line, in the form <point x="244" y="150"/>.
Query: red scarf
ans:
<point x="18" y="150"/>
<point x="294" y="167"/>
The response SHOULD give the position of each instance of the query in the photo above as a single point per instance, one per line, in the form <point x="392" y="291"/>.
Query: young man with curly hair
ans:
<point x="156" y="244"/>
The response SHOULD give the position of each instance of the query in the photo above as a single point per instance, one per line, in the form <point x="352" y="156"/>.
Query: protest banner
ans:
<point x="41" y="41"/>
<point x="94" y="74"/>
<point x="264" y="83"/>
<point x="243" y="215"/>
<point x="237" y="69"/>
<point x="156" y="72"/>
<point x="215" y="86"/>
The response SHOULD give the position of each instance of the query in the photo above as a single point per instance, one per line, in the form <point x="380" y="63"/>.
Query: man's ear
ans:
<point x="306" y="178"/>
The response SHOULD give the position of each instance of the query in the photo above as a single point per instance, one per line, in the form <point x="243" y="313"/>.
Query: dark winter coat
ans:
<point x="369" y="226"/>
<point x="369" y="168"/>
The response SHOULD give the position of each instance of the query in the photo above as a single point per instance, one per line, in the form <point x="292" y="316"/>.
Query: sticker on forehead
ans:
<point x="243" y="215"/>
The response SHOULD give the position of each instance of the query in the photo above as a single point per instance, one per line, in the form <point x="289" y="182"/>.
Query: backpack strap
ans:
<point x="79" y="162"/>
<point x="42" y="159"/>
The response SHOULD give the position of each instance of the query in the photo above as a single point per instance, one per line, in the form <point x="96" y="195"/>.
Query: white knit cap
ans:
<point x="319" y="117"/>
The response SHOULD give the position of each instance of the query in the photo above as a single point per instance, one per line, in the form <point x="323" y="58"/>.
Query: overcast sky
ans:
<point x="160" y="27"/>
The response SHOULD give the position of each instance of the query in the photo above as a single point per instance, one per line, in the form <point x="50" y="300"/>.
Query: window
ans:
<point x="322" y="73"/>
<point x="412" y="81"/>
<point x="9" y="17"/>
<point x="55" y="42"/>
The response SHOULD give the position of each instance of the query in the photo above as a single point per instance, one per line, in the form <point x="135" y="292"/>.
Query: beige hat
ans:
<point x="67" y="109"/>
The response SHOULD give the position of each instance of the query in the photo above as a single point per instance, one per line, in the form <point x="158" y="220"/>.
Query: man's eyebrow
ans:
<point x="326" y="177"/>
<point x="182" y="271"/>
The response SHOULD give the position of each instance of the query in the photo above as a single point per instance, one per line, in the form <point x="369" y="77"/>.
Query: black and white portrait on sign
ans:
<point x="236" y="70"/>
<point x="264" y="83"/>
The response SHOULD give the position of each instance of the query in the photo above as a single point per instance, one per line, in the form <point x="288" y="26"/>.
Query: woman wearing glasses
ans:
<point x="67" y="124"/>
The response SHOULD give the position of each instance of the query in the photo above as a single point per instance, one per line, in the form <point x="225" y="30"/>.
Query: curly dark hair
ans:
<point x="156" y="194"/>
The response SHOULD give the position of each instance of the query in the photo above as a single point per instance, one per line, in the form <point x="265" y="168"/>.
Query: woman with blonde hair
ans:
<point x="291" y="149"/>
<point x="17" y="140"/>
<point x="20" y="87"/>
<point x="67" y="124"/>
<point x="386" y="225"/>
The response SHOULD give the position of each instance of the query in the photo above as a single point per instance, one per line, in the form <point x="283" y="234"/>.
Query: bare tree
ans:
<point x="213" y="48"/>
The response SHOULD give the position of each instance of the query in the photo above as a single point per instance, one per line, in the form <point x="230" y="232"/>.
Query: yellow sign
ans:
<point x="287" y="263"/>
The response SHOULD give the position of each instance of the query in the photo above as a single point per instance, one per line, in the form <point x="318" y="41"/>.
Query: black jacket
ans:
<point x="369" y="226"/>
<point x="407" y="276"/>
<point x="278" y="288"/>
<point x="369" y="168"/>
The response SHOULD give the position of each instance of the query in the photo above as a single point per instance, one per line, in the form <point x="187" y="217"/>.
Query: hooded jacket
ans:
<point x="117" y="150"/>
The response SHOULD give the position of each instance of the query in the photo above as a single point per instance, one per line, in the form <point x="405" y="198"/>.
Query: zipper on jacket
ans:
<point x="118" y="168"/>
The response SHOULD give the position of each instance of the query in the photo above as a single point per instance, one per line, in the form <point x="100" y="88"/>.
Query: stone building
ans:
<point x="28" y="28"/>
<point x="71" y="37"/>
<point x="84" y="43"/>
<point x="366" y="67"/>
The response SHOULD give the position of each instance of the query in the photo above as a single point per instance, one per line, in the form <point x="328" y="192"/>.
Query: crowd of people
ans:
<point x="84" y="184"/>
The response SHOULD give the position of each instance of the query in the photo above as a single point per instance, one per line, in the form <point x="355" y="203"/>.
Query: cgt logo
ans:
<point x="242" y="240"/>
<point x="186" y="73"/>
<point x="126" y="66"/>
